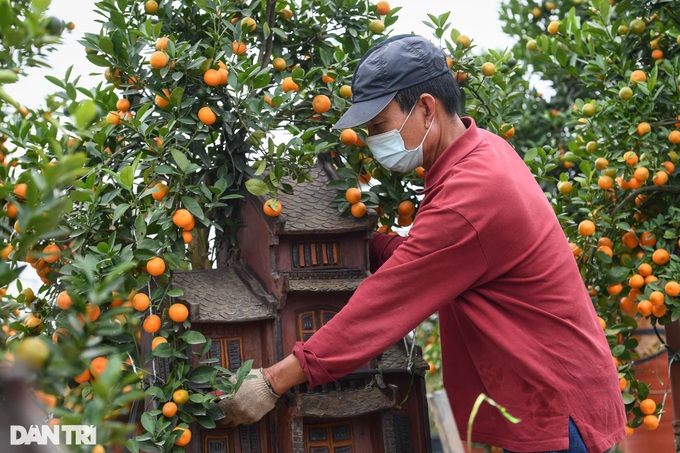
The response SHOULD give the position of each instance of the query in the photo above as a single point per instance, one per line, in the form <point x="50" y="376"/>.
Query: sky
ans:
<point x="478" y="20"/>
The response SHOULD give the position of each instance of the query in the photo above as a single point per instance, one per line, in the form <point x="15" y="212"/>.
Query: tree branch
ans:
<point x="634" y="194"/>
<point x="270" y="17"/>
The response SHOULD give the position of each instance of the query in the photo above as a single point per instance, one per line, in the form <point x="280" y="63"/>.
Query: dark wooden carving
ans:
<point x="291" y="277"/>
<point x="345" y="403"/>
<point x="250" y="439"/>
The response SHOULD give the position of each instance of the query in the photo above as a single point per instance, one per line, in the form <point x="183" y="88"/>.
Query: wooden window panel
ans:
<point x="324" y="254"/>
<point x="309" y="322"/>
<point x="215" y="352"/>
<point x="317" y="435"/>
<point x="336" y="253"/>
<point x="341" y="433"/>
<point x="308" y="255"/>
<point x="296" y="257"/>
<point x="313" y="254"/>
<point x="216" y="444"/>
<point x="312" y="251"/>
<point x="234" y="354"/>
<point x="326" y="316"/>
<point x="228" y="351"/>
<point x="250" y="438"/>
<point x="330" y="437"/>
<point x="301" y="252"/>
<point x="306" y="325"/>
<point x="329" y="252"/>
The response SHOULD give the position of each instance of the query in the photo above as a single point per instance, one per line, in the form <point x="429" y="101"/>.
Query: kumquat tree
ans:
<point x="607" y="159"/>
<point x="110" y="189"/>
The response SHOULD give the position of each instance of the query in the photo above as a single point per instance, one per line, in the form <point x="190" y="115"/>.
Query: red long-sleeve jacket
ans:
<point x="487" y="252"/>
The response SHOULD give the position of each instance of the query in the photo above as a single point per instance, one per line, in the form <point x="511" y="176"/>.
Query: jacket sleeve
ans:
<point x="381" y="247"/>
<point x="441" y="259"/>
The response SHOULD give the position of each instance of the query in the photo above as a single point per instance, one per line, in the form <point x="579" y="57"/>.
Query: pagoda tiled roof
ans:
<point x="223" y="295"/>
<point x="307" y="210"/>
<point x="395" y="358"/>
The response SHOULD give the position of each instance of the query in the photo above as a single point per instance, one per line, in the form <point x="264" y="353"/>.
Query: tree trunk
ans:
<point x="198" y="249"/>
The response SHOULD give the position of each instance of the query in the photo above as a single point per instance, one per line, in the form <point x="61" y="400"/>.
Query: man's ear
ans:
<point x="429" y="103"/>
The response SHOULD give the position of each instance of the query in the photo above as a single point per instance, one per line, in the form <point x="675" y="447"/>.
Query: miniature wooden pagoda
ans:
<point x="293" y="273"/>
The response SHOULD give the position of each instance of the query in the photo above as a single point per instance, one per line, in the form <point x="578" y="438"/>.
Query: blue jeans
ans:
<point x="576" y="444"/>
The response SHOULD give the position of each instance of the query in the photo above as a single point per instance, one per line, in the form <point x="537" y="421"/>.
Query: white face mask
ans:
<point x="389" y="149"/>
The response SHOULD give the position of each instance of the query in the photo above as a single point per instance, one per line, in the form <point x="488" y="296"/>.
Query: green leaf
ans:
<point x="339" y="184"/>
<point x="206" y="422"/>
<point x="530" y="155"/>
<point x="106" y="45"/>
<point x="98" y="60"/>
<point x="339" y="56"/>
<point x="262" y="80"/>
<point x="148" y="422"/>
<point x="6" y="14"/>
<point x="132" y="445"/>
<point x="215" y="412"/>
<point x="193" y="337"/>
<point x="260" y="167"/>
<point x="120" y="211"/>
<point x="198" y="398"/>
<point x="140" y="227"/>
<point x="618" y="350"/>
<point x="176" y="96"/>
<point x="298" y="74"/>
<point x="164" y="170"/>
<point x="40" y="6"/>
<point x="616" y="275"/>
<point x="117" y="38"/>
<point x="8" y="76"/>
<point x="604" y="9"/>
<point x="163" y="350"/>
<point x="118" y="20"/>
<point x="156" y="392"/>
<point x="127" y="177"/>
<point x="56" y="81"/>
<point x="628" y="398"/>
<point x="180" y="159"/>
<point x="257" y="187"/>
<point x="202" y="374"/>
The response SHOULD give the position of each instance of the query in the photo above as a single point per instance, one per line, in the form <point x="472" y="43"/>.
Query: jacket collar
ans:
<point x="458" y="149"/>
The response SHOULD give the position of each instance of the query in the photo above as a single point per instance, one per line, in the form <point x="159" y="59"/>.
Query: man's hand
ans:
<point x="250" y="403"/>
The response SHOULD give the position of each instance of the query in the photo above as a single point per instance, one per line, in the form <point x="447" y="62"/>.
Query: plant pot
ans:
<point x="652" y="368"/>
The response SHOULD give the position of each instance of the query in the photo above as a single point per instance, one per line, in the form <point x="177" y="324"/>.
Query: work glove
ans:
<point x="253" y="400"/>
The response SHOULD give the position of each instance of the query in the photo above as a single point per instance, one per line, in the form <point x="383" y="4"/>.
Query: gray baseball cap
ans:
<point x="399" y="62"/>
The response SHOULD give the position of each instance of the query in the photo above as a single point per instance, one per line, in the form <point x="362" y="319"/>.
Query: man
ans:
<point x="486" y="251"/>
